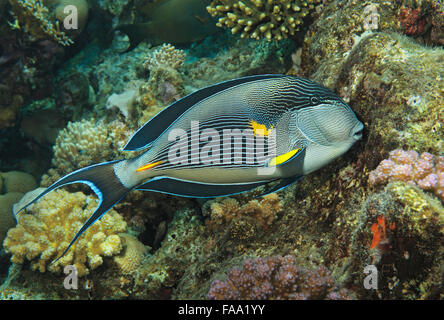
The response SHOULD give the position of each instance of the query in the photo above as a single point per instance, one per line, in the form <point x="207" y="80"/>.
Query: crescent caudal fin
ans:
<point x="102" y="180"/>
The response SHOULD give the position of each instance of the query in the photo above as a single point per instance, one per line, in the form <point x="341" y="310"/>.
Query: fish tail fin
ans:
<point x="105" y="184"/>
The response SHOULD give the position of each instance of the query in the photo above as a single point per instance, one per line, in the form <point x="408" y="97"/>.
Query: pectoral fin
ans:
<point x="285" y="158"/>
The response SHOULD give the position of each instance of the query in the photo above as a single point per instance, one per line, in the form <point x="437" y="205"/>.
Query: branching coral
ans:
<point x="276" y="278"/>
<point x="165" y="83"/>
<point x="42" y="236"/>
<point x="167" y="55"/>
<point x="270" y="19"/>
<point x="425" y="171"/>
<point x="85" y="143"/>
<point x="35" y="18"/>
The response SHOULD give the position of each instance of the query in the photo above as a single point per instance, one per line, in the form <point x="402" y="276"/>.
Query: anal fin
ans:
<point x="192" y="189"/>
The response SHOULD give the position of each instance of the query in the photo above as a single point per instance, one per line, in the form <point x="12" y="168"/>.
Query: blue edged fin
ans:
<point x="193" y="189"/>
<point x="149" y="132"/>
<point x="102" y="180"/>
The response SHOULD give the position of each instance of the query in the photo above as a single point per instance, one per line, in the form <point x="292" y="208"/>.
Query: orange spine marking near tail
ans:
<point x="149" y="166"/>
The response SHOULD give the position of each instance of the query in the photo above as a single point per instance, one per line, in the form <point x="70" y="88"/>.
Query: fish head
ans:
<point x="328" y="128"/>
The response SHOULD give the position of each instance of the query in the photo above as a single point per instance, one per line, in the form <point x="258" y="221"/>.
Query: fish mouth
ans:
<point x="356" y="131"/>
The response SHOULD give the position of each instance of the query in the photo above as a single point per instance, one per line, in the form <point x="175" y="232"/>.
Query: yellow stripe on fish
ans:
<point x="260" y="129"/>
<point x="149" y="166"/>
<point x="282" y="158"/>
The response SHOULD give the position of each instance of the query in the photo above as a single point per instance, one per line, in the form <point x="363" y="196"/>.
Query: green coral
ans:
<point x="270" y="19"/>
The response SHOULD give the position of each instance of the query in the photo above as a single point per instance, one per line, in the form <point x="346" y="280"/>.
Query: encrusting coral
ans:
<point x="276" y="278"/>
<point x="269" y="19"/>
<point x="242" y="219"/>
<point x="42" y="236"/>
<point x="425" y="170"/>
<point x="132" y="254"/>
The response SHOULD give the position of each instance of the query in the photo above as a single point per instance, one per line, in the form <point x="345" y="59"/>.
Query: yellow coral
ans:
<point x="223" y="211"/>
<point x="269" y="19"/>
<point x="44" y="235"/>
<point x="167" y="56"/>
<point x="85" y="143"/>
<point x="418" y="205"/>
<point x="132" y="256"/>
<point x="35" y="18"/>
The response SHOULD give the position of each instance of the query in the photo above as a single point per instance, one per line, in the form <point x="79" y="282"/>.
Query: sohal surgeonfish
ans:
<point x="226" y="139"/>
<point x="171" y="21"/>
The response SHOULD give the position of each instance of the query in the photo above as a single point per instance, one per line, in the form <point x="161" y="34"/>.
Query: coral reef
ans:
<point x="276" y="278"/>
<point x="34" y="17"/>
<point x="241" y="221"/>
<point x="319" y="234"/>
<point x="16" y="181"/>
<point x="412" y="21"/>
<point x="13" y="185"/>
<point x="7" y="220"/>
<point x="85" y="143"/>
<point x="391" y="81"/>
<point x="400" y="230"/>
<point x="236" y="58"/>
<point x="166" y="56"/>
<point x="270" y="19"/>
<point x="124" y="102"/>
<point x="423" y="20"/>
<point x="165" y="82"/>
<point x="424" y="171"/>
<point x="42" y="236"/>
<point x="132" y="255"/>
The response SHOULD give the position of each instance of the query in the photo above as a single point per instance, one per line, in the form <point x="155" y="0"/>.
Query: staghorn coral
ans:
<point x="42" y="236"/>
<point x="85" y="143"/>
<point x="270" y="19"/>
<point x="34" y="17"/>
<point x="422" y="170"/>
<point x="276" y="277"/>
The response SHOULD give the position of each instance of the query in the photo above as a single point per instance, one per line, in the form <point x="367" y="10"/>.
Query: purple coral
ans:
<point x="424" y="171"/>
<point x="276" y="278"/>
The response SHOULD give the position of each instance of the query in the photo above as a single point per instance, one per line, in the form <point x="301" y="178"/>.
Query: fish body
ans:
<point x="226" y="139"/>
<point x="172" y="21"/>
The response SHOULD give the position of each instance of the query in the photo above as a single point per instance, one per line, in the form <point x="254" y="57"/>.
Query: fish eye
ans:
<point x="314" y="100"/>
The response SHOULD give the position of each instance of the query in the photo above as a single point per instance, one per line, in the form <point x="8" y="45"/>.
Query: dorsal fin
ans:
<point x="162" y="121"/>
